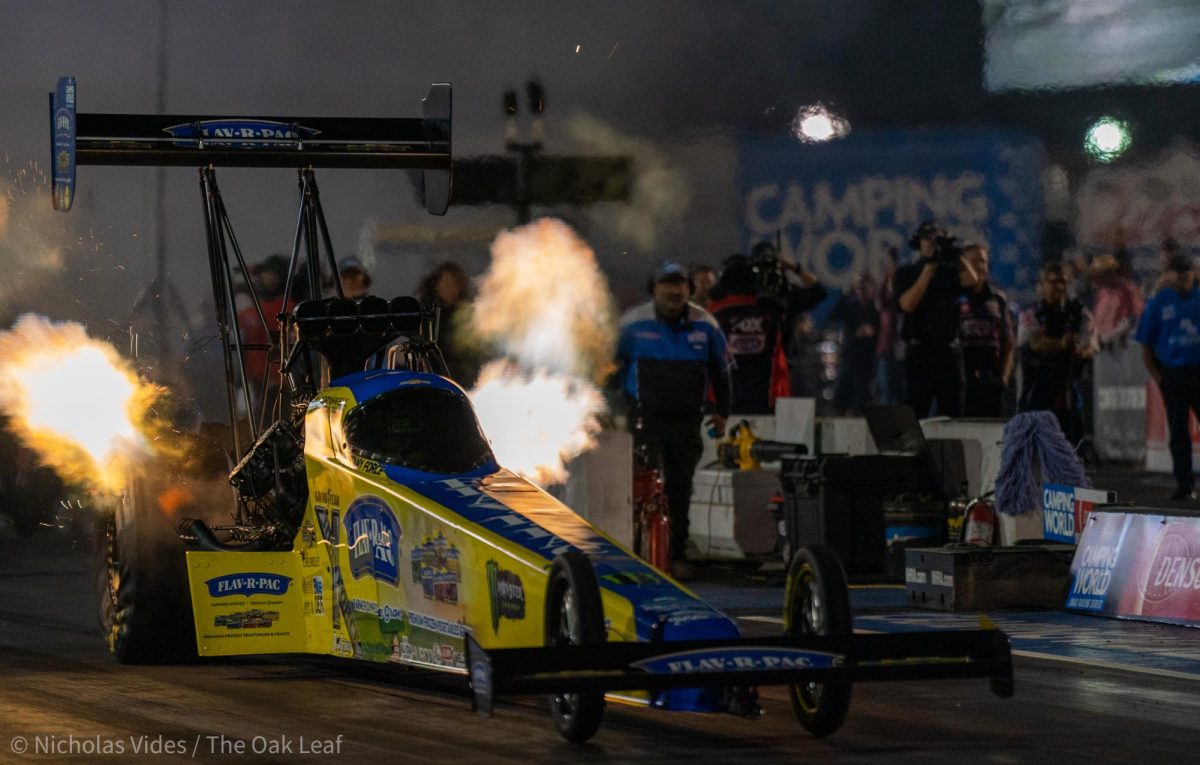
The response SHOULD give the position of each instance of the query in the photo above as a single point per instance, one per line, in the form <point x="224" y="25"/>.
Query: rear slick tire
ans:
<point x="817" y="602"/>
<point x="145" y="605"/>
<point x="574" y="616"/>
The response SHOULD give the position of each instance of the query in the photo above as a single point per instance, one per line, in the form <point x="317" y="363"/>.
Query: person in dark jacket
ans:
<point x="1053" y="341"/>
<point x="927" y="292"/>
<point x="449" y="287"/>
<point x="859" y="317"/>
<point x="1169" y="332"/>
<point x="670" y="353"/>
<point x="985" y="331"/>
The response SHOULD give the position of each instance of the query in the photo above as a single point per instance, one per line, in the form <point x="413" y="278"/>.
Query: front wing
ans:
<point x="929" y="655"/>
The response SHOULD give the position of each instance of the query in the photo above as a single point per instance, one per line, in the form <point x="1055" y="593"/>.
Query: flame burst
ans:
<point x="545" y="305"/>
<point x="74" y="401"/>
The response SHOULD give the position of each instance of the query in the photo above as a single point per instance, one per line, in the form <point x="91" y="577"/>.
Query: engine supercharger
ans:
<point x="653" y="522"/>
<point x="979" y="523"/>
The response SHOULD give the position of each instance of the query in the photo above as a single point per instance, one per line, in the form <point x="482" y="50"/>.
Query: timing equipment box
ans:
<point x="967" y="578"/>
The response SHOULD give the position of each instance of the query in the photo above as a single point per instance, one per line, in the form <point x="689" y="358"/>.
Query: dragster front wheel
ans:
<point x="817" y="602"/>
<point x="574" y="616"/>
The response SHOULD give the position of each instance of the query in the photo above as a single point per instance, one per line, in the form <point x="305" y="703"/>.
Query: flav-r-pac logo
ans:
<point x="241" y="132"/>
<point x="255" y="583"/>
<point x="373" y="535"/>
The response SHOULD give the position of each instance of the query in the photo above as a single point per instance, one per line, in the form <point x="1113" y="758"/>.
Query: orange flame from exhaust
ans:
<point x="545" y="305"/>
<point x="74" y="401"/>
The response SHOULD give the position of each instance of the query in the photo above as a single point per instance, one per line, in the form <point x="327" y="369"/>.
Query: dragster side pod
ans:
<point x="437" y="110"/>
<point x="62" y="143"/>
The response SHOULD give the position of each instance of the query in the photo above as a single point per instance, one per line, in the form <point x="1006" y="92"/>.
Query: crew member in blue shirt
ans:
<point x="1169" y="332"/>
<point x="670" y="354"/>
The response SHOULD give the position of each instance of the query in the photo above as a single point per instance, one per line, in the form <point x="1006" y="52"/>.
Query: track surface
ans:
<point x="60" y="691"/>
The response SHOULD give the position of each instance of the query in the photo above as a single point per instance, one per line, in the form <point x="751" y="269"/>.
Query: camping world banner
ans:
<point x="838" y="207"/>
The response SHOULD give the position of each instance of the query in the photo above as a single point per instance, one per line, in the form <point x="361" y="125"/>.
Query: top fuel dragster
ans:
<point x="370" y="520"/>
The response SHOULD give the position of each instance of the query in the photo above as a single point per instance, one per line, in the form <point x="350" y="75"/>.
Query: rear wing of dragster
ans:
<point x="930" y="655"/>
<point x="135" y="139"/>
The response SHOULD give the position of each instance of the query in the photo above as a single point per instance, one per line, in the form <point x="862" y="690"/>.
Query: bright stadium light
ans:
<point x="1107" y="139"/>
<point x="816" y="124"/>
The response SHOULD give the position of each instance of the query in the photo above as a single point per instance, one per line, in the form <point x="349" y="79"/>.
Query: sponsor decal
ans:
<point x="739" y="659"/>
<point x="327" y="498"/>
<point x="1174" y="568"/>
<point x="382" y="611"/>
<point x="373" y="535"/>
<point x="370" y="467"/>
<point x="506" y="595"/>
<point x="248" y="584"/>
<point x="434" y="624"/>
<point x="1058" y="512"/>
<point x="241" y="132"/>
<point x="677" y="610"/>
<point x="247" y="620"/>
<point x="1093" y="573"/>
<point x="1065" y="510"/>
<point x="437" y="567"/>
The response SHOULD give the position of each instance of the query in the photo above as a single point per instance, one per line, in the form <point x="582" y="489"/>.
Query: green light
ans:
<point x="1107" y="139"/>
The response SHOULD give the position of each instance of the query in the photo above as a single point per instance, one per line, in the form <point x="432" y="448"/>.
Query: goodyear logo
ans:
<point x="241" y="132"/>
<point x="373" y="534"/>
<point x="248" y="584"/>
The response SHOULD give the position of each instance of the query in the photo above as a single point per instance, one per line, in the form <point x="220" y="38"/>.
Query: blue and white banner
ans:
<point x="838" y="207"/>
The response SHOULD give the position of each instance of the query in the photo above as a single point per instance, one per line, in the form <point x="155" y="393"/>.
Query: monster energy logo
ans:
<point x="506" y="593"/>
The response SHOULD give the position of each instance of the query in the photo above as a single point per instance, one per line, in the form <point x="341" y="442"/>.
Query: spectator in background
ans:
<point x="356" y="282"/>
<point x="927" y="292"/>
<point x="793" y="285"/>
<point x="449" y="288"/>
<point x="889" y="371"/>
<point x="1053" y="341"/>
<point x="859" y="317"/>
<point x="1169" y="332"/>
<point x="1117" y="302"/>
<point x="701" y="280"/>
<point x="986" y="334"/>
<point x="1170" y="248"/>
<point x="669" y="352"/>
<point x="752" y="325"/>
<point x="269" y="278"/>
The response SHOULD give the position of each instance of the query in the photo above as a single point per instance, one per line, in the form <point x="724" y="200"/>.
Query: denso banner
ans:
<point x="838" y="207"/>
<point x="1138" y="566"/>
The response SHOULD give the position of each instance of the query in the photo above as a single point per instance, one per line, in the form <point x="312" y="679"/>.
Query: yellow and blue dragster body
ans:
<point x="372" y="521"/>
<point x="413" y="536"/>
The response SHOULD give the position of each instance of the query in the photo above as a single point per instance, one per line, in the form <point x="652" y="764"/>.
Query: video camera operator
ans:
<point x="755" y="303"/>
<point x="928" y="291"/>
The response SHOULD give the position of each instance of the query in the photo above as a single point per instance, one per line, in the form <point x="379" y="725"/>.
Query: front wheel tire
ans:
<point x="574" y="616"/>
<point x="817" y="602"/>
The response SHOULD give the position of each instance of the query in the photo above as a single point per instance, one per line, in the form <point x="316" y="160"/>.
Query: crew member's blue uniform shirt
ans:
<point x="666" y="368"/>
<point x="1170" y="326"/>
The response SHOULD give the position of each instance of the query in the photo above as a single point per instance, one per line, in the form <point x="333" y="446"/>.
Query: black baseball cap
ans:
<point x="670" y="271"/>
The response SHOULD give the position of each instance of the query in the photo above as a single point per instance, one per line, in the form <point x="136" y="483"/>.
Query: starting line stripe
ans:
<point x="1171" y="673"/>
